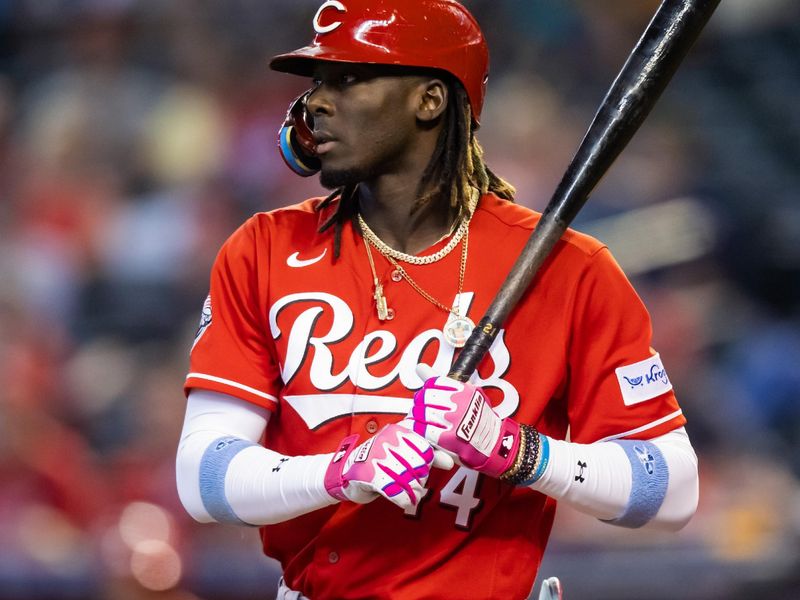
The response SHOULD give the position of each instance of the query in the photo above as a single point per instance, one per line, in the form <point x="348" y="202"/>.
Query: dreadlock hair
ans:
<point x="455" y="169"/>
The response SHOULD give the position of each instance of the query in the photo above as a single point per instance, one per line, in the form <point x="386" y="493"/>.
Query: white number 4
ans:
<point x="460" y="492"/>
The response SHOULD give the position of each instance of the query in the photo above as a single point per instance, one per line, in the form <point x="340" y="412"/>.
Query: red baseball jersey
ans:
<point x="292" y="329"/>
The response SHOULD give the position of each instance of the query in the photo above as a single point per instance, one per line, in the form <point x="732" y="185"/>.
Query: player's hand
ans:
<point x="458" y="418"/>
<point x="394" y="463"/>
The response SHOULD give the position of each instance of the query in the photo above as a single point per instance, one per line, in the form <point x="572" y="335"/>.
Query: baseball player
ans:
<point x="318" y="409"/>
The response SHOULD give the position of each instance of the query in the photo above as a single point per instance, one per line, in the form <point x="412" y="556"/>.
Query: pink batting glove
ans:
<point x="394" y="463"/>
<point x="458" y="418"/>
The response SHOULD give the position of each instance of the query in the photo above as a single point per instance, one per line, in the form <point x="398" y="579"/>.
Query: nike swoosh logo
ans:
<point x="297" y="263"/>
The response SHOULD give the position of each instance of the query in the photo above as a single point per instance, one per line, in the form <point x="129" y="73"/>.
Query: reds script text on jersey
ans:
<point x="290" y="329"/>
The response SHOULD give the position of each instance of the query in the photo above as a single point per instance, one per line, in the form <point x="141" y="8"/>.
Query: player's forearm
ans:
<point x="256" y="486"/>
<point x="611" y="482"/>
<point x="224" y="475"/>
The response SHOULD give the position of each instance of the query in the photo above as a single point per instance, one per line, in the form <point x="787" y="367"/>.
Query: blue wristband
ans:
<point x="650" y="478"/>
<point x="544" y="459"/>
<point x="213" y="467"/>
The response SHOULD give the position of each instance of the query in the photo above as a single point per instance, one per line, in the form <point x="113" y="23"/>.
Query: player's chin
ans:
<point x="333" y="177"/>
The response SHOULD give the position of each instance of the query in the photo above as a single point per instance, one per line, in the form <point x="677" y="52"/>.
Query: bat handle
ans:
<point x="545" y="236"/>
<point x="480" y="340"/>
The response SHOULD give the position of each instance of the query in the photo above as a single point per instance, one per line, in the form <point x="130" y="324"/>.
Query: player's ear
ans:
<point x="432" y="99"/>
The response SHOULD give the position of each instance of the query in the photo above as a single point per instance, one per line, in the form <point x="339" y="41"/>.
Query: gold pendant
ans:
<point x="380" y="302"/>
<point x="457" y="330"/>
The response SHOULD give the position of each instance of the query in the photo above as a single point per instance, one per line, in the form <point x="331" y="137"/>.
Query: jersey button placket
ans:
<point x="397" y="277"/>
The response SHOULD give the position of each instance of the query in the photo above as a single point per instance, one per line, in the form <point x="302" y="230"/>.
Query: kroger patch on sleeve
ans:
<point x="643" y="380"/>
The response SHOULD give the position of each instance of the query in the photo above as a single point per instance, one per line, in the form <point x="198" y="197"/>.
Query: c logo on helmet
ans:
<point x="328" y="28"/>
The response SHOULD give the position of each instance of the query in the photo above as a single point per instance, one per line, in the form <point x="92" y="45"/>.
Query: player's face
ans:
<point x="365" y="122"/>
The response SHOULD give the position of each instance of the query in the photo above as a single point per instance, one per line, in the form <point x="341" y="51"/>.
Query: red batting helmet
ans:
<point x="438" y="34"/>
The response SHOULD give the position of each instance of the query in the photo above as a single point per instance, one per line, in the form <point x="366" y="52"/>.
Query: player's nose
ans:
<point x="320" y="101"/>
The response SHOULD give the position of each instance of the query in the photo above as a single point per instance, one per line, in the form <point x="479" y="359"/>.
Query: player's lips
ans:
<point x="324" y="141"/>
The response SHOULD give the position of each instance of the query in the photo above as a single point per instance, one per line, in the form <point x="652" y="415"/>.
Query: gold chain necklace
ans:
<point x="458" y="327"/>
<point x="388" y="251"/>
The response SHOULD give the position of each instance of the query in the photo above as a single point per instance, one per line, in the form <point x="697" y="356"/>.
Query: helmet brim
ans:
<point x="303" y="60"/>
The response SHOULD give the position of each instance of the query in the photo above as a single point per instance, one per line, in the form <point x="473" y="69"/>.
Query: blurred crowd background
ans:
<point x="136" y="136"/>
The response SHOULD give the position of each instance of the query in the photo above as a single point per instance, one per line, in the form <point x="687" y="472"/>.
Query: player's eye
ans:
<point x="339" y="81"/>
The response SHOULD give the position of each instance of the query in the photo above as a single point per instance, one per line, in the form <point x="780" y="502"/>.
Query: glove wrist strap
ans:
<point x="334" y="479"/>
<point x="505" y="450"/>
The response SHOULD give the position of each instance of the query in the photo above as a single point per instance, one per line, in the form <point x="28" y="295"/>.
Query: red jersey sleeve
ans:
<point x="618" y="386"/>
<point x="233" y="352"/>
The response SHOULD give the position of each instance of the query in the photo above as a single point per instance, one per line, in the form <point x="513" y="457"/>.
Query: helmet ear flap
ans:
<point x="295" y="140"/>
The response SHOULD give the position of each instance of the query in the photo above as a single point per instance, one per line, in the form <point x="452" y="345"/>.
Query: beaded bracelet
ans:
<point x="530" y="455"/>
<point x="533" y="457"/>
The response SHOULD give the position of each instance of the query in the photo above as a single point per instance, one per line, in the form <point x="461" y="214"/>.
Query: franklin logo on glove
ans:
<point x="471" y="418"/>
<point x="363" y="451"/>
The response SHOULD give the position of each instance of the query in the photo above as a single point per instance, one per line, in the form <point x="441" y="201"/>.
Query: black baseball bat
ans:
<point x="649" y="68"/>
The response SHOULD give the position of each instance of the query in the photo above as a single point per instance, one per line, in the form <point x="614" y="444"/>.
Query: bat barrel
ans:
<point x="638" y="86"/>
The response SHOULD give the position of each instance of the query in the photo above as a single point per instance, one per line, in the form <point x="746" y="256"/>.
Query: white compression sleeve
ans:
<point x="607" y="480"/>
<point x="224" y="475"/>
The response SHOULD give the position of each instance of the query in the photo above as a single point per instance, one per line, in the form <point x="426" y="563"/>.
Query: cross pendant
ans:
<point x="380" y="302"/>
